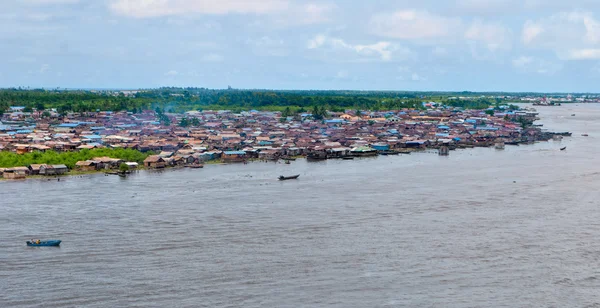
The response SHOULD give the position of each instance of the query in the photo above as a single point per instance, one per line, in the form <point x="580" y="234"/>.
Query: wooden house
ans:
<point x="233" y="156"/>
<point x="53" y="169"/>
<point x="34" y="169"/>
<point x="87" y="165"/>
<point x="154" y="161"/>
<point x="15" y="173"/>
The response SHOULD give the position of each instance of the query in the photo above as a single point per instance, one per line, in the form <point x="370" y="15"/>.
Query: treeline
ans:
<point x="185" y="99"/>
<point x="10" y="159"/>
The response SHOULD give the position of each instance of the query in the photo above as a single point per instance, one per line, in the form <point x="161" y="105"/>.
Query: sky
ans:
<point x="426" y="45"/>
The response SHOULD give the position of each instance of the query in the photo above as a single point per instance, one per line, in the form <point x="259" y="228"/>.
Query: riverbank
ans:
<point x="432" y="150"/>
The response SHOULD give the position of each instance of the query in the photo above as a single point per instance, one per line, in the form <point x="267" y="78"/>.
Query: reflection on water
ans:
<point x="482" y="227"/>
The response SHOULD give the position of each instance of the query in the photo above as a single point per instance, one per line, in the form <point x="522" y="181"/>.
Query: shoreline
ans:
<point x="406" y="151"/>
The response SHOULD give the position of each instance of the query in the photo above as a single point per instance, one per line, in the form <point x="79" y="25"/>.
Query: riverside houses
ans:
<point x="236" y="137"/>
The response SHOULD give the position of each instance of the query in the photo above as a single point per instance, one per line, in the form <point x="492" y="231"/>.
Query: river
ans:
<point x="480" y="228"/>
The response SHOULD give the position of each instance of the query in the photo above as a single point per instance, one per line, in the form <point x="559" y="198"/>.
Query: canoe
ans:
<point x="44" y="243"/>
<point x="564" y="148"/>
<point x="293" y="177"/>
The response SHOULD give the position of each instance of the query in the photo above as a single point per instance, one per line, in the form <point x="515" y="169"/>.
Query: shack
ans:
<point x="53" y="169"/>
<point x="233" y="156"/>
<point x="87" y="165"/>
<point x="154" y="161"/>
<point x="15" y="173"/>
<point x="34" y="169"/>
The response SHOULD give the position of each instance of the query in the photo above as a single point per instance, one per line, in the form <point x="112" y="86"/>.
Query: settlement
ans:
<point x="238" y="137"/>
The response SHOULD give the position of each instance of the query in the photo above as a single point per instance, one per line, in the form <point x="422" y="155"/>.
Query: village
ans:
<point x="227" y="137"/>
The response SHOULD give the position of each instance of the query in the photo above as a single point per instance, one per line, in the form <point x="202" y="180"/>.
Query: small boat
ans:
<point x="39" y="243"/>
<point x="584" y="135"/>
<point x="563" y="148"/>
<point x="293" y="177"/>
<point x="573" y="115"/>
<point x="348" y="158"/>
<point x="287" y="162"/>
<point x="195" y="166"/>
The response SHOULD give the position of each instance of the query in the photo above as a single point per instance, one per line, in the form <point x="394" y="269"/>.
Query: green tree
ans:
<point x="489" y="112"/>
<point x="124" y="167"/>
<point x="316" y="113"/>
<point x="195" y="122"/>
<point x="185" y="122"/>
<point x="39" y="106"/>
<point x="287" y="112"/>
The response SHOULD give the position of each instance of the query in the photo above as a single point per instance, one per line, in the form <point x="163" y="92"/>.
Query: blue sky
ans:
<point x="475" y="45"/>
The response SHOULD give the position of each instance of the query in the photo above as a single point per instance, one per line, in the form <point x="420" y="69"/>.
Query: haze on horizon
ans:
<point x="473" y="45"/>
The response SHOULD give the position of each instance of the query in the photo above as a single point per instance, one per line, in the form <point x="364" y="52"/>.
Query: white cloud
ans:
<point x="155" y="8"/>
<point x="417" y="77"/>
<point x="530" y="31"/>
<point x="571" y="35"/>
<point x="267" y="46"/>
<point x="313" y="13"/>
<point x="528" y="64"/>
<point x="583" y="54"/>
<point x="172" y="73"/>
<point x="413" y="24"/>
<point x="383" y="51"/>
<point x="494" y="36"/>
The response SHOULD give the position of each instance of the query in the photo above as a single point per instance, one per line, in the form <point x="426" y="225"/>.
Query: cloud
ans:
<point x="528" y="64"/>
<point x="583" y="54"/>
<point x="382" y="51"/>
<point x="413" y="24"/>
<point x="267" y="46"/>
<point x="313" y="13"/>
<point x="417" y="77"/>
<point x="171" y="73"/>
<point x="494" y="36"/>
<point x="571" y="35"/>
<point x="156" y="8"/>
<point x="530" y="31"/>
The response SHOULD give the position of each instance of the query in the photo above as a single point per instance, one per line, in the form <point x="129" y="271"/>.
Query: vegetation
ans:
<point x="166" y="100"/>
<point x="10" y="159"/>
<point x="124" y="167"/>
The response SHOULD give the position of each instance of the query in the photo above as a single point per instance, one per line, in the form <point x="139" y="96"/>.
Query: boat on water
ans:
<point x="584" y="135"/>
<point x="38" y="243"/>
<point x="563" y="148"/>
<point x="284" y="178"/>
<point x="195" y="166"/>
<point x="348" y="158"/>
